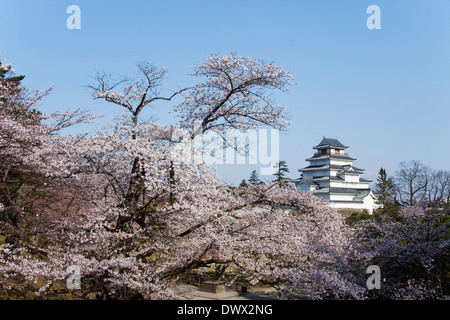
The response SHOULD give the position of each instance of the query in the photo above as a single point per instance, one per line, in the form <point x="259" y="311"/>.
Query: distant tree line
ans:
<point x="281" y="169"/>
<point x="122" y="207"/>
<point x="414" y="184"/>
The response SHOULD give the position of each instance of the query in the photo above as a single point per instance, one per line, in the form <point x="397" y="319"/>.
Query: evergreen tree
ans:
<point x="254" y="179"/>
<point x="5" y="74"/>
<point x="385" y="188"/>
<point x="280" y="174"/>
<point x="243" y="184"/>
<point x="15" y="100"/>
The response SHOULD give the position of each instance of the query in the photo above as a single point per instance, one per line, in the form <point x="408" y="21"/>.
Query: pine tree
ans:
<point x="243" y="184"/>
<point x="385" y="188"/>
<point x="5" y="74"/>
<point x="254" y="179"/>
<point x="280" y="174"/>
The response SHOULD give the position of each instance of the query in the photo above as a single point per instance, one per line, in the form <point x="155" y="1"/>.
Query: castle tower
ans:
<point x="332" y="176"/>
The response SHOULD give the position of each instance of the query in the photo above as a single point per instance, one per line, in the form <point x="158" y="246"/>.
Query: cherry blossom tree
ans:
<point x="134" y="96"/>
<point x="412" y="253"/>
<point x="29" y="147"/>
<point x="148" y="214"/>
<point x="412" y="182"/>
<point x="234" y="95"/>
<point x="20" y="132"/>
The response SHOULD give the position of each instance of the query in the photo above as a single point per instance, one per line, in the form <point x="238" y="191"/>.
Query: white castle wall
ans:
<point x="353" y="185"/>
<point x="351" y="178"/>
<point x="351" y="181"/>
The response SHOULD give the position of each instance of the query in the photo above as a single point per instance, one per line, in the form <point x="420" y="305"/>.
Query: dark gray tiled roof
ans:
<point x="351" y="170"/>
<point x="363" y="194"/>
<point x="318" y="157"/>
<point x="354" y="168"/>
<point x="347" y="201"/>
<point x="348" y="190"/>
<point x="307" y="180"/>
<point x="328" y="178"/>
<point x="323" y="167"/>
<point x="325" y="190"/>
<point x="328" y="142"/>
<point x="359" y="193"/>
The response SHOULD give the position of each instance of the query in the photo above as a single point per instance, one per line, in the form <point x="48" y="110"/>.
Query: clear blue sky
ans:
<point x="385" y="93"/>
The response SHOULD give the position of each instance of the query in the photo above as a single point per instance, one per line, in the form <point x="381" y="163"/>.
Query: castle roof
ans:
<point x="332" y="176"/>
<point x="351" y="170"/>
<point x="318" y="180"/>
<point x="318" y="157"/>
<point x="328" y="143"/>
<point x="346" y="191"/>
<point x="342" y="169"/>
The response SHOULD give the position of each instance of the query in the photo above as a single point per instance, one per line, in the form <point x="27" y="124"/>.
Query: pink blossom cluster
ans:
<point x="126" y="206"/>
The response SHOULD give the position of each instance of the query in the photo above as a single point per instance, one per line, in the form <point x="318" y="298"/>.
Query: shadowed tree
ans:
<point x="385" y="189"/>
<point x="243" y="183"/>
<point x="254" y="178"/>
<point x="282" y="169"/>
<point x="154" y="215"/>
<point x="412" y="182"/>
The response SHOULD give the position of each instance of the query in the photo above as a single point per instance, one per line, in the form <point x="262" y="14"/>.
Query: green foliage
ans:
<point x="356" y="217"/>
<point x="280" y="174"/>
<point x="254" y="179"/>
<point x="243" y="184"/>
<point x="4" y="75"/>
<point x="385" y="188"/>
